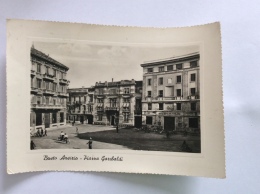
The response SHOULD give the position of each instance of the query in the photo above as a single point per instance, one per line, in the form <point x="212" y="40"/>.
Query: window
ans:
<point x="54" y="101"/>
<point x="193" y="122"/>
<point x="169" y="80"/>
<point x="160" y="81"/>
<point x="149" y="120"/>
<point x="127" y="90"/>
<point x="169" y="67"/>
<point x="126" y="116"/>
<point x="149" y="106"/>
<point x="192" y="91"/>
<point x="193" y="63"/>
<point x="38" y="68"/>
<point x="161" y="69"/>
<point x="47" y="85"/>
<point x="178" y="79"/>
<point x="149" y="70"/>
<point x="47" y="100"/>
<point x="193" y="77"/>
<point x="100" y="100"/>
<point x="149" y="82"/>
<point x="54" y="72"/>
<point x="47" y="70"/>
<point x="149" y="93"/>
<point x="38" y="100"/>
<point x="179" y="66"/>
<point x="112" y="91"/>
<point x="160" y="106"/>
<point x="113" y="102"/>
<point x="178" y="92"/>
<point x="160" y="93"/>
<point x="178" y="106"/>
<point x="99" y="117"/>
<point x="193" y="106"/>
<point x="126" y="100"/>
<point x="31" y="82"/>
<point x="39" y="83"/>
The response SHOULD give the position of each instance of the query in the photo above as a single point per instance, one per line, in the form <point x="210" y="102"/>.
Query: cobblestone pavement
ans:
<point x="51" y="140"/>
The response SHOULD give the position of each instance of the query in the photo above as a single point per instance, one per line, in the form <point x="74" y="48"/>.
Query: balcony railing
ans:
<point x="34" y="89"/>
<point x="64" y="81"/>
<point x="48" y="77"/>
<point x="33" y="73"/>
<point x="48" y="92"/>
<point x="47" y="106"/>
<point x="63" y="94"/>
<point x="112" y="108"/>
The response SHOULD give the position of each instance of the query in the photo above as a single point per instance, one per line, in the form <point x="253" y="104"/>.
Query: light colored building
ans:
<point x="121" y="99"/>
<point x="80" y="105"/>
<point x="171" y="93"/>
<point x="48" y="91"/>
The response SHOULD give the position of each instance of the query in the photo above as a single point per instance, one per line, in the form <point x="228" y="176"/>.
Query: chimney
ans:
<point x="112" y="79"/>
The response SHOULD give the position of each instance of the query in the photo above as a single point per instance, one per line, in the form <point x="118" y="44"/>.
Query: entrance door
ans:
<point x="90" y="119"/>
<point x="112" y="120"/>
<point x="169" y="123"/>
<point x="47" y="120"/>
<point x="81" y="119"/>
<point x="138" y="121"/>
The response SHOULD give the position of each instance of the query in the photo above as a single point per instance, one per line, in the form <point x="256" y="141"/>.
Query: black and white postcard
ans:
<point x="117" y="99"/>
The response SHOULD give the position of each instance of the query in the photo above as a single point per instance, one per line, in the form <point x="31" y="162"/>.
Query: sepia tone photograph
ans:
<point x="115" y="96"/>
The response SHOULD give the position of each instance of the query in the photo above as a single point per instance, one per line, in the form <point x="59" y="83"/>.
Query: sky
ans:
<point x="91" y="63"/>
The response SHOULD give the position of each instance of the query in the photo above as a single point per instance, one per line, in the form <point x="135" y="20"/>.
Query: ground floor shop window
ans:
<point x="149" y="120"/>
<point x="38" y="119"/>
<point x="61" y="117"/>
<point x="54" y="118"/>
<point x="193" y="122"/>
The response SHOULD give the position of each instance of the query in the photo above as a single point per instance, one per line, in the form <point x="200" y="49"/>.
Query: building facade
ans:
<point x="118" y="102"/>
<point x="171" y="93"/>
<point x="80" y="105"/>
<point x="48" y="91"/>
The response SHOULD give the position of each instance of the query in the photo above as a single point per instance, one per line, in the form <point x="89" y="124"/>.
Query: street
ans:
<point x="105" y="137"/>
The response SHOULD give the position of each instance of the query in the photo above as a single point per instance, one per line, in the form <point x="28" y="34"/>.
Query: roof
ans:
<point x="45" y="57"/>
<point x="178" y="59"/>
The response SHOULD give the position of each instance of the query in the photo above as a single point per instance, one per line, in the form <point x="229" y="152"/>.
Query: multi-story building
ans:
<point x="80" y="105"/>
<point x="48" y="91"/>
<point x="171" y="91"/>
<point x="118" y="102"/>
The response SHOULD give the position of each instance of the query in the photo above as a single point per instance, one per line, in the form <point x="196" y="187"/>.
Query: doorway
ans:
<point x="47" y="120"/>
<point x="169" y="123"/>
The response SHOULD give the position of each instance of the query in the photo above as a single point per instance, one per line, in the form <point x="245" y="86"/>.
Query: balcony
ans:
<point x="63" y="94"/>
<point x="193" y="97"/>
<point x="64" y="81"/>
<point x="48" y="77"/>
<point x="112" y="108"/>
<point x="126" y="110"/>
<point x="48" y="92"/>
<point x="34" y="90"/>
<point x="100" y="109"/>
<point x="47" y="106"/>
<point x="33" y="73"/>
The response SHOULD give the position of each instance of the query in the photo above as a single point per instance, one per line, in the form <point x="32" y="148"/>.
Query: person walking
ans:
<point x="77" y="130"/>
<point x="90" y="143"/>
<point x="32" y="145"/>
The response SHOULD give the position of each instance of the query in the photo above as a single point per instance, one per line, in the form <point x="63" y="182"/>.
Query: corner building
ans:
<point x="171" y="93"/>
<point x="48" y="91"/>
<point x="118" y="102"/>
